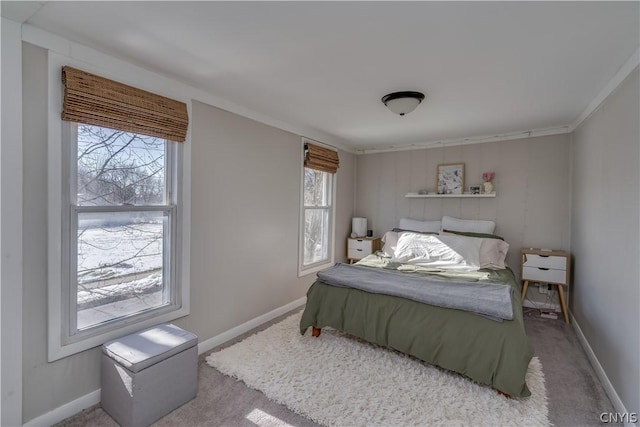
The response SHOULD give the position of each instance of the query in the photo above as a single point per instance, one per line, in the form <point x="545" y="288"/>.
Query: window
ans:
<point x="317" y="223"/>
<point x="118" y="213"/>
<point x="121" y="220"/>
<point x="317" y="216"/>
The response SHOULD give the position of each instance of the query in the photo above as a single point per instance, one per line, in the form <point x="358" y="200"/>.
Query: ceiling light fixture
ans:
<point x="402" y="102"/>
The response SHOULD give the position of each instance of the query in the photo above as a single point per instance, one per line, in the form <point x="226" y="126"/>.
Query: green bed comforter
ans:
<point x="489" y="352"/>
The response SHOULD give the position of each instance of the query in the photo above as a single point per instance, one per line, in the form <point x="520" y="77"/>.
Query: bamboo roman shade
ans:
<point x="94" y="100"/>
<point x="320" y="158"/>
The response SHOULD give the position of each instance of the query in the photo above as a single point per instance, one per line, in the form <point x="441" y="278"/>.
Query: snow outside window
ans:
<point x="121" y="224"/>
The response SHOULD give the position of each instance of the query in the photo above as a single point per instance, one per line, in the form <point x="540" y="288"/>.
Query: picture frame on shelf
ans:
<point x="450" y="178"/>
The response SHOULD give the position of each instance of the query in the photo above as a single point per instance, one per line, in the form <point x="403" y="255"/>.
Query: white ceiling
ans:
<point x="486" y="67"/>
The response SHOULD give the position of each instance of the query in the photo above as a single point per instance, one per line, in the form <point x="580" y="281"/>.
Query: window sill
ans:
<point x="315" y="268"/>
<point x="57" y="350"/>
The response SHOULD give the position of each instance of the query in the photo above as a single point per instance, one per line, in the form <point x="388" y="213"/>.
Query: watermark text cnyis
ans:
<point x="619" y="417"/>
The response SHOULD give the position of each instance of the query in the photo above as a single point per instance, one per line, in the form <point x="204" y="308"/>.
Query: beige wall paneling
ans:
<point x="605" y="237"/>
<point x="245" y="186"/>
<point x="545" y="160"/>
<point x="367" y="191"/>
<point x="421" y="178"/>
<point x="532" y="183"/>
<point x="387" y="200"/>
<point x="345" y="198"/>
<point x="246" y="181"/>
<point x="12" y="221"/>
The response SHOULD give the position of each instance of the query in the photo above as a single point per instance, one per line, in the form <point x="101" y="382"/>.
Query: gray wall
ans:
<point x="531" y="207"/>
<point x="245" y="208"/>
<point x="605" y="236"/>
<point x="246" y="180"/>
<point x="45" y="385"/>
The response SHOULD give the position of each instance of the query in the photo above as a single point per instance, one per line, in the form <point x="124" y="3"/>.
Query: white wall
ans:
<point x="605" y="237"/>
<point x="246" y="182"/>
<point x="45" y="385"/>
<point x="531" y="207"/>
<point x="246" y="179"/>
<point x="11" y="224"/>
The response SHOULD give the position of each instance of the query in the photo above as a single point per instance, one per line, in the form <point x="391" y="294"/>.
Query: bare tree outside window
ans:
<point x="121" y="238"/>
<point x="119" y="168"/>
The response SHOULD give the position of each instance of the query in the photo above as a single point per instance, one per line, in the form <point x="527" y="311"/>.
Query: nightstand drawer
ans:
<point x="552" y="262"/>
<point x="360" y="244"/>
<point x="360" y="247"/>
<point x="542" y="274"/>
<point x="355" y="253"/>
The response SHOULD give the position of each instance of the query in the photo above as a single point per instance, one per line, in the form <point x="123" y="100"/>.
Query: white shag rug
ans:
<point x="336" y="380"/>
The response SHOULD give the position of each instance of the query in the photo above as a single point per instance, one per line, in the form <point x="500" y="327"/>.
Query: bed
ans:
<point x="486" y="345"/>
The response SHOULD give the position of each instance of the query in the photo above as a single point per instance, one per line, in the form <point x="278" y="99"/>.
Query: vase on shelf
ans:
<point x="488" y="187"/>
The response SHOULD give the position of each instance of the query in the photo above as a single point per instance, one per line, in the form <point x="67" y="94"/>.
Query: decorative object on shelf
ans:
<point x="450" y="178"/>
<point x="488" y="185"/>
<point x="358" y="227"/>
<point x="402" y="102"/>
<point x="474" y="189"/>
<point x="423" y="192"/>
<point x="445" y="196"/>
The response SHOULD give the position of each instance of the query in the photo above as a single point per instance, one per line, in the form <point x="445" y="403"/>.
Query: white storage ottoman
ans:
<point x="148" y="374"/>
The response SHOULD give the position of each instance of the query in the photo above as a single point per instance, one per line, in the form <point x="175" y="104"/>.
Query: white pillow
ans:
<point x="390" y="240"/>
<point x="467" y="225"/>
<point x="493" y="253"/>
<point x="445" y="252"/>
<point x="422" y="226"/>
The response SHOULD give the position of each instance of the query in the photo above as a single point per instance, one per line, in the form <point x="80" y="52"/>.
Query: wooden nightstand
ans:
<point x="360" y="247"/>
<point x="547" y="266"/>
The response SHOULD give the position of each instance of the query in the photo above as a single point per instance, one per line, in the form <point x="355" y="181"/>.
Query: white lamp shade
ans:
<point x="402" y="106"/>
<point x="359" y="227"/>
<point x="402" y="102"/>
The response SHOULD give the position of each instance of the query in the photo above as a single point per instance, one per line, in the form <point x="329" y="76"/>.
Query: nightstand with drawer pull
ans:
<point x="360" y="247"/>
<point x="546" y="266"/>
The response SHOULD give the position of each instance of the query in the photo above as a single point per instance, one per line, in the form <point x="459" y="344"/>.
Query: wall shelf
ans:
<point x="447" y="196"/>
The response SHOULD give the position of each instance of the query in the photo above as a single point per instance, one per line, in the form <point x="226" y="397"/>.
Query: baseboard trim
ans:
<point x="91" y="399"/>
<point x="67" y="410"/>
<point x="207" y="345"/>
<point x="600" y="372"/>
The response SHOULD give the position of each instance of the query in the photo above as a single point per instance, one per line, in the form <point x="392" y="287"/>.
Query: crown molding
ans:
<point x="624" y="71"/>
<point x="620" y="76"/>
<point x="469" y="140"/>
<point x="93" y="57"/>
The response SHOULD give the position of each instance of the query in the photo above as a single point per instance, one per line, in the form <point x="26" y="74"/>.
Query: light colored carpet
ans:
<point x="338" y="380"/>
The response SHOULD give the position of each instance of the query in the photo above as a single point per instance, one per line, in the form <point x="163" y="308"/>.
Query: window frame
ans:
<point x="70" y="332"/>
<point x="304" y="270"/>
<point x="61" y="216"/>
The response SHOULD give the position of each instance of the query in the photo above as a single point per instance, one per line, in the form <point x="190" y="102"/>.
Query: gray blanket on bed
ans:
<point x="487" y="299"/>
